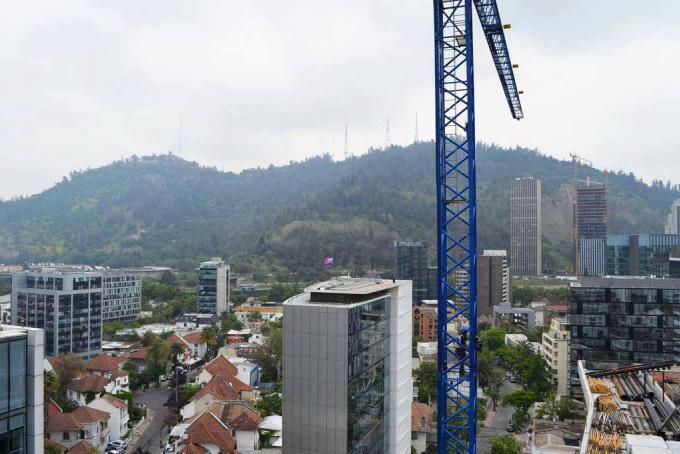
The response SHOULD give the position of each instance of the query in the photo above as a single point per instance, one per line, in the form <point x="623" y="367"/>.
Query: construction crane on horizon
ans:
<point x="456" y="209"/>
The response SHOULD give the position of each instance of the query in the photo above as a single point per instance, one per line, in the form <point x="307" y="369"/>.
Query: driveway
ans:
<point x="496" y="422"/>
<point x="154" y="399"/>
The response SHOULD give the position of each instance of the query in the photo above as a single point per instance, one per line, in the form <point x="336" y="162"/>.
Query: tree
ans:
<point x="494" y="394"/>
<point x="209" y="336"/>
<point x="149" y="338"/>
<point x="521" y="401"/>
<point x="254" y="316"/>
<point x="426" y="380"/>
<point x="492" y="338"/>
<point x="168" y="278"/>
<point x="481" y="411"/>
<point x="69" y="367"/>
<point x="270" y="404"/>
<point x="52" y="449"/>
<point x="505" y="445"/>
<point x="175" y="351"/>
<point x="228" y="322"/>
<point x="269" y="355"/>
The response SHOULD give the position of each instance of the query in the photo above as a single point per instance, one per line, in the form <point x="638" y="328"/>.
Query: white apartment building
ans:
<point x="555" y="347"/>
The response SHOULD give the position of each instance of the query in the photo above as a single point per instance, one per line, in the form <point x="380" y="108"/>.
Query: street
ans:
<point x="154" y="399"/>
<point x="497" y="422"/>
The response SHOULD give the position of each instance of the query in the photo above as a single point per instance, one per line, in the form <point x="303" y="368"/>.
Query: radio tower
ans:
<point x="346" y="143"/>
<point x="416" y="139"/>
<point x="388" y="142"/>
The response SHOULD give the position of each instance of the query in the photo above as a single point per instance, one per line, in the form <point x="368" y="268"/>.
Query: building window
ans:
<point x="66" y="436"/>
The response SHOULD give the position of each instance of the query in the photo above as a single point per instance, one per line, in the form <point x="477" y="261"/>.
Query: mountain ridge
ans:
<point x="163" y="209"/>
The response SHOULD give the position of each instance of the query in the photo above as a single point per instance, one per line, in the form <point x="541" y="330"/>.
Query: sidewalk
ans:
<point x="138" y="431"/>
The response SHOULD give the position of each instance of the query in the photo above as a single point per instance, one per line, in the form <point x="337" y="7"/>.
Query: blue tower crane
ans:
<point x="457" y="211"/>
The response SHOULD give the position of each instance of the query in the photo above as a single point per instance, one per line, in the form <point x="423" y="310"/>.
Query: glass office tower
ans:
<point x="346" y="373"/>
<point x="618" y="321"/>
<point x="21" y="390"/>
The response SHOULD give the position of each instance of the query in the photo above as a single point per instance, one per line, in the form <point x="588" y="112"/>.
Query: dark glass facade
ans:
<point x="13" y="395"/>
<point x="206" y="289"/>
<point x="616" y="326"/>
<point x="72" y="319"/>
<point x="368" y="384"/>
<point x="640" y="255"/>
<point x="410" y="263"/>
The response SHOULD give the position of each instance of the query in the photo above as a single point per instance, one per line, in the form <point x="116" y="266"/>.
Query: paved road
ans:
<point x="496" y="423"/>
<point x="154" y="398"/>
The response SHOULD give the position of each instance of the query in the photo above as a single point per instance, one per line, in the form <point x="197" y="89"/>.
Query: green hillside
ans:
<point x="164" y="210"/>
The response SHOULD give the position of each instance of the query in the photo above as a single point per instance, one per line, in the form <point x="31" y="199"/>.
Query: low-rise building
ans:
<point x="515" y="317"/>
<point x="118" y="410"/>
<point x="240" y="349"/>
<point x="84" y="424"/>
<point x="82" y="390"/>
<point x="206" y="434"/>
<point x="197" y="345"/>
<point x="555" y="348"/>
<point x="238" y="336"/>
<point x="427" y="352"/>
<point x="258" y="312"/>
<point x="248" y="373"/>
<point x="195" y="321"/>
<point x="423" y="426"/>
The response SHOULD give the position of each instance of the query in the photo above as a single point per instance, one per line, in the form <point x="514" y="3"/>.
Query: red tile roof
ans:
<point x="421" y="418"/>
<point x="120" y="373"/>
<point x="194" y="337"/>
<point x="75" y="419"/>
<point x="94" y="383"/>
<point x="175" y="339"/>
<point x="138" y="354"/>
<point x="207" y="429"/>
<point x="221" y="366"/>
<point x="238" y="415"/>
<point x="220" y="388"/>
<point x="104" y="363"/>
<point x="53" y="408"/>
<point x="116" y="402"/>
<point x="82" y="447"/>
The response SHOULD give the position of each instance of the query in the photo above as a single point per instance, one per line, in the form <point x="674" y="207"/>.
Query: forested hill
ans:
<point x="164" y="210"/>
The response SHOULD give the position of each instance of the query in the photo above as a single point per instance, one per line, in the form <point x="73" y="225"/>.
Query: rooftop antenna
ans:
<point x="346" y="143"/>
<point x="416" y="139"/>
<point x="388" y="142"/>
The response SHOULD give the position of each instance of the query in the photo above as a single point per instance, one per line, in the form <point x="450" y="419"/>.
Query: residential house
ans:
<point x="216" y="390"/>
<point x="222" y="367"/>
<point x="241" y="349"/>
<point x="243" y="420"/>
<point x="138" y="359"/>
<point x="110" y="367"/>
<point x="197" y="346"/>
<point x="422" y="426"/>
<point x="82" y="424"/>
<point x="84" y="389"/>
<point x="118" y="409"/>
<point x="248" y="373"/>
<point x="237" y="336"/>
<point x="207" y="434"/>
<point x="189" y="322"/>
<point x="271" y="428"/>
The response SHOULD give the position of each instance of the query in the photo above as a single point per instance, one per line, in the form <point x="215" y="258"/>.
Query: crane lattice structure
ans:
<point x="456" y="208"/>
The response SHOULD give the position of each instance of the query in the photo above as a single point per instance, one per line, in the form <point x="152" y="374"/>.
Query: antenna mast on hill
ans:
<point x="388" y="141"/>
<point x="179" y="138"/>
<point x="346" y="143"/>
<point x="416" y="139"/>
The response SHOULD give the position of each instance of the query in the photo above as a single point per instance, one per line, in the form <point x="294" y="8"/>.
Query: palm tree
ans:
<point x="209" y="336"/>
<point x="175" y="351"/>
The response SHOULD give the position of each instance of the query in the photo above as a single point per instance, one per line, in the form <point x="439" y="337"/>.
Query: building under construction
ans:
<point x="591" y="225"/>
<point x="633" y="409"/>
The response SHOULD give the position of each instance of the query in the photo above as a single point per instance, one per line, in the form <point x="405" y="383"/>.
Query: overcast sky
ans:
<point x="88" y="82"/>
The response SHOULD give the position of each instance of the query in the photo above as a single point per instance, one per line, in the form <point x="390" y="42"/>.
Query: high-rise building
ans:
<point x="410" y="263"/>
<point x="346" y="368"/>
<point x="640" y="255"/>
<point x="591" y="224"/>
<point x="432" y="283"/>
<point x="673" y="221"/>
<point x="21" y="390"/>
<point x="212" y="286"/>
<point x="617" y="321"/>
<point x="425" y="321"/>
<point x="66" y="303"/>
<point x="525" y="227"/>
<point x="122" y="295"/>
<point x="493" y="281"/>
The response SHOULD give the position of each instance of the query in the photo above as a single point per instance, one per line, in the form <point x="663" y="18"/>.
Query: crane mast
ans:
<point x="457" y="211"/>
